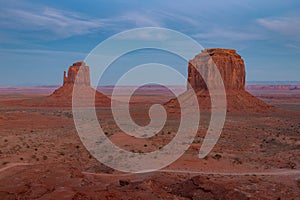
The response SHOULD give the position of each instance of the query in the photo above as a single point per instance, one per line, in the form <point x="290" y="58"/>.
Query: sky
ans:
<point x="41" y="39"/>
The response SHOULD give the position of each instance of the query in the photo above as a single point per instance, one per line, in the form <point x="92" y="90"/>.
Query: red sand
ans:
<point x="257" y="156"/>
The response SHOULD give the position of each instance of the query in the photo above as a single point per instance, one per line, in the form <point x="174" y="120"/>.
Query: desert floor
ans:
<point x="42" y="157"/>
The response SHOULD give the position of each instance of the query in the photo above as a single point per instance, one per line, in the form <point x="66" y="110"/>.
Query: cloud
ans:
<point x="60" y="23"/>
<point x="57" y="24"/>
<point x="139" y="19"/>
<point x="145" y="34"/>
<point x="228" y="34"/>
<point x="40" y="51"/>
<point x="283" y="25"/>
<point x="293" y="46"/>
<point x="177" y="17"/>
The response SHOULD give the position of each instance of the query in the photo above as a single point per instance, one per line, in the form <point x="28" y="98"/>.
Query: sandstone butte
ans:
<point x="229" y="63"/>
<point x="232" y="70"/>
<point x="79" y="72"/>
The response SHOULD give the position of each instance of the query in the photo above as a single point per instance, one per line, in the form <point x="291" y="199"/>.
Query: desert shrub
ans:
<point x="140" y="151"/>
<point x="217" y="156"/>
<point x="237" y="161"/>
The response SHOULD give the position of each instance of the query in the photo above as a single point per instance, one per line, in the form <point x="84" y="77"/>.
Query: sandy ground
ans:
<point x="256" y="157"/>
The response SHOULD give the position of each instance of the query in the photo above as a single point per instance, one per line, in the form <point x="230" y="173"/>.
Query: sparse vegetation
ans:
<point x="57" y="143"/>
<point x="140" y="151"/>
<point x="237" y="161"/>
<point x="5" y="163"/>
<point x="217" y="156"/>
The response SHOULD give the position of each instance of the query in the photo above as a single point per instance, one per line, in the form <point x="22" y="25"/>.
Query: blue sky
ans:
<point x="40" y="39"/>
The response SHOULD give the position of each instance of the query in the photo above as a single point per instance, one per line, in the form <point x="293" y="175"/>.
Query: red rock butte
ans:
<point x="229" y="63"/>
<point x="83" y="78"/>
<point x="232" y="70"/>
<point x="78" y="73"/>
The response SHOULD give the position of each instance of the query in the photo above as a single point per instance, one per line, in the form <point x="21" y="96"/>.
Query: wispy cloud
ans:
<point x="63" y="24"/>
<point x="139" y="19"/>
<point x="293" y="46"/>
<point x="58" y="22"/>
<point x="40" y="51"/>
<point x="176" y="18"/>
<point x="283" y="25"/>
<point x="228" y="34"/>
<point x="145" y="34"/>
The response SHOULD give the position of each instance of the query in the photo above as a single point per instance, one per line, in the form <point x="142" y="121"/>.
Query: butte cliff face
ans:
<point x="83" y="78"/>
<point x="79" y="72"/>
<point x="229" y="63"/>
<point x="232" y="70"/>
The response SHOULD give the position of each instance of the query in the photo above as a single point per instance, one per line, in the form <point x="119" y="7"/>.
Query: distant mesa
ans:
<point x="232" y="70"/>
<point x="273" y="87"/>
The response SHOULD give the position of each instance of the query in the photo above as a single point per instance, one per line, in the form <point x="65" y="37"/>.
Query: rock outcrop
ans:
<point x="232" y="71"/>
<point x="229" y="63"/>
<point x="83" y="78"/>
<point x="199" y="187"/>
<point x="79" y="73"/>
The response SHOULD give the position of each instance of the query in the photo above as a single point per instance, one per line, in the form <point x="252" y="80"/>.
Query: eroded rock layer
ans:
<point x="232" y="70"/>
<point x="83" y="78"/>
<point x="228" y="62"/>
<point x="79" y="73"/>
